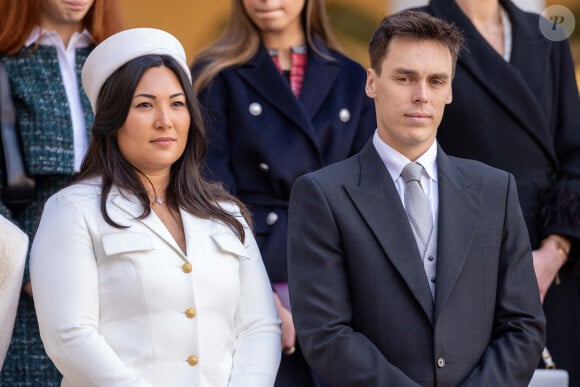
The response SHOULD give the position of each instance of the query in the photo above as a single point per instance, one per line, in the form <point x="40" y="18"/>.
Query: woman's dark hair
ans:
<point x="187" y="187"/>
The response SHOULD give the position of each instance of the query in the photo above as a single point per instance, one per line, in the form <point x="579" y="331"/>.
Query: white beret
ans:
<point x="122" y="47"/>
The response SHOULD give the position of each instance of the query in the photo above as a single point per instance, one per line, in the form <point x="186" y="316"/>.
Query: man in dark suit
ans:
<point x="413" y="281"/>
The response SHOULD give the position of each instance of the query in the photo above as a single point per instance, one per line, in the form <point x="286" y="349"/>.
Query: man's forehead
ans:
<point x="414" y="54"/>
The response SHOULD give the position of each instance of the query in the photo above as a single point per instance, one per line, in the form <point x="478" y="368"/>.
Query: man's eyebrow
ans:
<point x="405" y="71"/>
<point x="402" y="70"/>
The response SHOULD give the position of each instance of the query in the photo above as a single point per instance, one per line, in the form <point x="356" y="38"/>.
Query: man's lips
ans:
<point x="418" y="115"/>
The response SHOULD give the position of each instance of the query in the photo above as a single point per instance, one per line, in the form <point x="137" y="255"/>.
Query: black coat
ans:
<point x="522" y="116"/>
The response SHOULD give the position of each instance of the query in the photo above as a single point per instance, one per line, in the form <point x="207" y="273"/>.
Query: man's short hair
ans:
<point x="413" y="25"/>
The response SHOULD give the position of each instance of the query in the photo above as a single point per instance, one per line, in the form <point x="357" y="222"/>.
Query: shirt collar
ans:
<point x="44" y="37"/>
<point x="395" y="161"/>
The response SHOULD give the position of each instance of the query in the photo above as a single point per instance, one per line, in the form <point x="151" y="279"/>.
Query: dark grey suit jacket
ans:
<point x="361" y="303"/>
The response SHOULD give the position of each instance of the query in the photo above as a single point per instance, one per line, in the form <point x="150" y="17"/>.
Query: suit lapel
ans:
<point x="505" y="82"/>
<point x="319" y="78"/>
<point x="459" y="206"/>
<point x="261" y="74"/>
<point x="379" y="204"/>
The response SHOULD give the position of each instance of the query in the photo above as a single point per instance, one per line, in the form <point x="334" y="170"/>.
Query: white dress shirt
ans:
<point x="67" y="63"/>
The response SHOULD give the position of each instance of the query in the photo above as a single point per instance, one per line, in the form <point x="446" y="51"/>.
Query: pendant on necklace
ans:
<point x="158" y="200"/>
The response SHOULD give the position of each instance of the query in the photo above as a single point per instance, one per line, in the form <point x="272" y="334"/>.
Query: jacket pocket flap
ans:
<point x="123" y="242"/>
<point x="229" y="243"/>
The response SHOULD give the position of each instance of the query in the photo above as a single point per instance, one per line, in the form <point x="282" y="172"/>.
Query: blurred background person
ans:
<point x="141" y="269"/>
<point x="279" y="100"/>
<point x="13" y="248"/>
<point x="43" y="45"/>
<point x="528" y="5"/>
<point x="516" y="107"/>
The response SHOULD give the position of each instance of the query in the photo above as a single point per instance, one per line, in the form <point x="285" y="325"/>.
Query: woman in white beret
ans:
<point x="143" y="273"/>
<point x="13" y="248"/>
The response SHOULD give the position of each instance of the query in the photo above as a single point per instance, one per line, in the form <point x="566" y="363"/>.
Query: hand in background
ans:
<point x="27" y="287"/>
<point x="288" y="331"/>
<point x="548" y="260"/>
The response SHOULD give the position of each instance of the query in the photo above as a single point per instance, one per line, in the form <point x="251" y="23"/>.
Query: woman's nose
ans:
<point x="163" y="120"/>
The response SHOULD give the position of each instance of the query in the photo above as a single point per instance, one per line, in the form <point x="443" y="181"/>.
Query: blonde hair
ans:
<point x="241" y="39"/>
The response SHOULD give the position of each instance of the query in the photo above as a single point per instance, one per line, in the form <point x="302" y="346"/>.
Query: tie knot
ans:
<point x="412" y="172"/>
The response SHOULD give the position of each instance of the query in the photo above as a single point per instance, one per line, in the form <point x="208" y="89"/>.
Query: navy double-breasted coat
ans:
<point x="261" y="137"/>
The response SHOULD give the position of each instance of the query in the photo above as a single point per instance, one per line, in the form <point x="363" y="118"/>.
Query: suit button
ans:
<point x="441" y="362"/>
<point x="190" y="313"/>
<point x="264" y="167"/>
<point x="344" y="115"/>
<point x="271" y="218"/>
<point x="192" y="360"/>
<point x="186" y="267"/>
<point x="255" y="109"/>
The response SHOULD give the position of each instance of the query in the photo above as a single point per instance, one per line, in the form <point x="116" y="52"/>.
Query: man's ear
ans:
<point x="371" y="82"/>
<point x="450" y="98"/>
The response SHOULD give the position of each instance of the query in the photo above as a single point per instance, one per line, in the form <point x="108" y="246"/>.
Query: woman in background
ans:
<point x="43" y="45"/>
<point x="144" y="274"/>
<point x="516" y="107"/>
<point x="279" y="101"/>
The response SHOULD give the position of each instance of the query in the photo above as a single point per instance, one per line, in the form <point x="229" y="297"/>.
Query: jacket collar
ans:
<point x="196" y="229"/>
<point x="460" y="206"/>
<point x="509" y="83"/>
